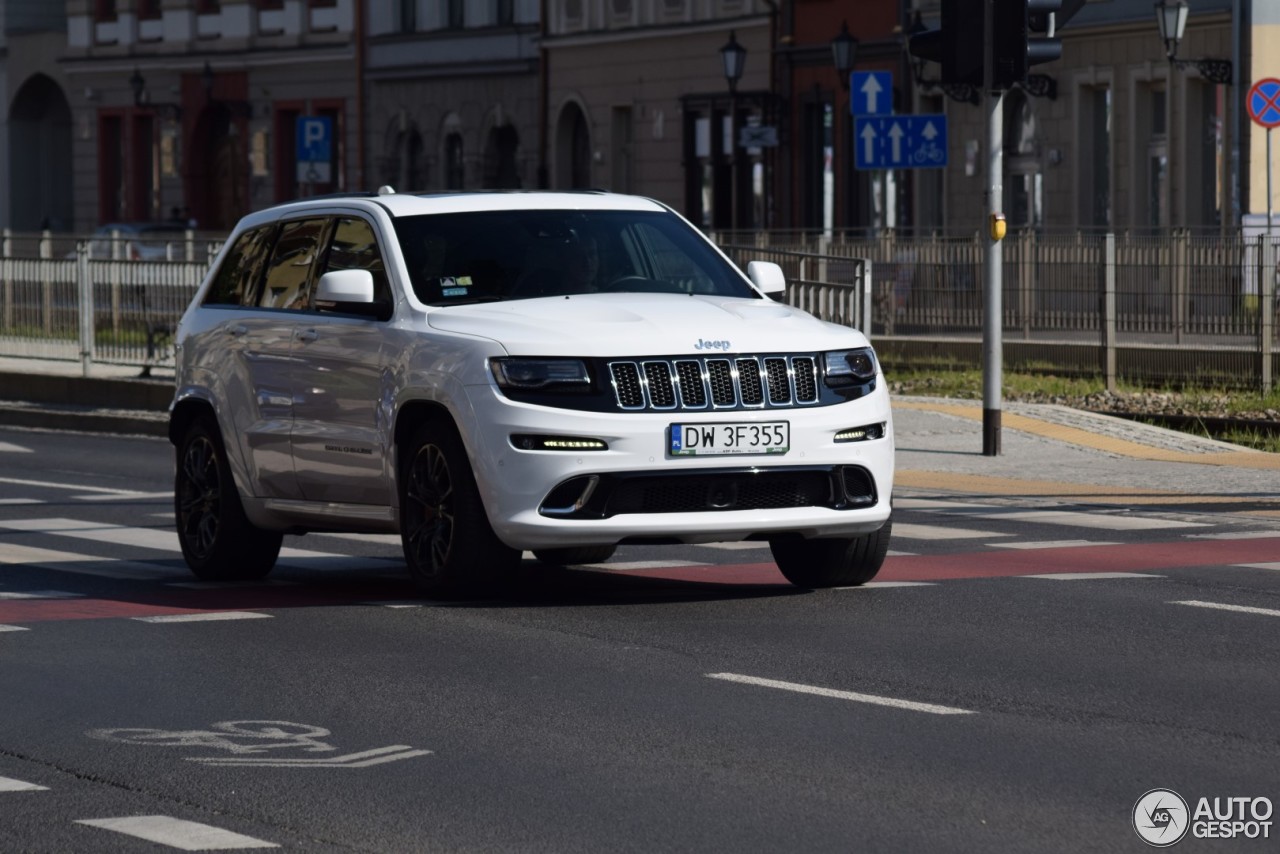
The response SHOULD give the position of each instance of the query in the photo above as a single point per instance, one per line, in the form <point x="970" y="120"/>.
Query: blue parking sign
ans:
<point x="314" y="149"/>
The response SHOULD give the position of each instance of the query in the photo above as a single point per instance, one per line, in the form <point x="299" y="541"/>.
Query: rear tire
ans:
<point x="838" y="562"/>
<point x="218" y="541"/>
<point x="448" y="543"/>
<point x="575" y="554"/>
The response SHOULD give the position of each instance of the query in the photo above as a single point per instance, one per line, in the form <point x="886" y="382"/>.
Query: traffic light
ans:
<point x="957" y="47"/>
<point x="1016" y="45"/>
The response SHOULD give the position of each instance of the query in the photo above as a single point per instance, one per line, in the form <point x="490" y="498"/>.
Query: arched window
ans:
<point x="454" y="173"/>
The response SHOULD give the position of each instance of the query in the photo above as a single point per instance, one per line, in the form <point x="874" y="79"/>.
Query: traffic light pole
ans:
<point x="992" y="327"/>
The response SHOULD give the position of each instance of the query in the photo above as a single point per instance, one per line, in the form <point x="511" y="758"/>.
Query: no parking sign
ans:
<point x="1264" y="102"/>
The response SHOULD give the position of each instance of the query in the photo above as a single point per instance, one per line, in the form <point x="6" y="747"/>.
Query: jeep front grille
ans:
<point x="750" y="382"/>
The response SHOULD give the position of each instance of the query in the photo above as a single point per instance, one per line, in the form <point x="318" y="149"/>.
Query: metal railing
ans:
<point x="1172" y="309"/>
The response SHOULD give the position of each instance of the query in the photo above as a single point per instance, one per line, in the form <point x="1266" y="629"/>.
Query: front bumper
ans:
<point x="520" y="486"/>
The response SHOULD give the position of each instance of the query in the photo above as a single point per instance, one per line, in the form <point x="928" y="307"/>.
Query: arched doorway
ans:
<point x="219" y="169"/>
<point x="402" y="161"/>
<point x="500" y="169"/>
<point x="573" y="149"/>
<point x="39" y="170"/>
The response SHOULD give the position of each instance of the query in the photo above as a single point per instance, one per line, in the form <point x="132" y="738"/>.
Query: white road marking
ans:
<point x="937" y="504"/>
<point x="204" y="617"/>
<point x="13" y="502"/>
<point x="939" y="532"/>
<point x="77" y="487"/>
<point x="629" y="565"/>
<point x="1051" y="544"/>
<point x="1106" y="521"/>
<point x="738" y="546"/>
<point x="1240" y="535"/>
<point x="387" y="539"/>
<point x="226" y="585"/>
<point x="364" y="759"/>
<point x="1258" y="565"/>
<point x="871" y="585"/>
<point x="79" y="564"/>
<point x="892" y="553"/>
<point x="178" y="833"/>
<point x="162" y="540"/>
<point x="129" y="497"/>
<point x="395" y="604"/>
<point x="1089" y="576"/>
<point x="909" y="705"/>
<point x="9" y="448"/>
<point x="1243" y="609"/>
<point x="8" y="784"/>
<point x="39" y="594"/>
<point x="13" y="628"/>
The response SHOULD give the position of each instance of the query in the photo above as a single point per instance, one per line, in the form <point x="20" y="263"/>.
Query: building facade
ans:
<point x="206" y="109"/>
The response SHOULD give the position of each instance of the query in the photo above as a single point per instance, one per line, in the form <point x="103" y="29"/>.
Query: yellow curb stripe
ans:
<point x="1108" y="444"/>
<point x="990" y="485"/>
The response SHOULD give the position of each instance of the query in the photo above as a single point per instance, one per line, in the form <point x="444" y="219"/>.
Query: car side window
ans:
<point x="294" y="257"/>
<point x="241" y="270"/>
<point x="354" y="246"/>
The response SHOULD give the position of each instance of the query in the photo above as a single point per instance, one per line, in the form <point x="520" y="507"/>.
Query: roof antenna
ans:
<point x="386" y="190"/>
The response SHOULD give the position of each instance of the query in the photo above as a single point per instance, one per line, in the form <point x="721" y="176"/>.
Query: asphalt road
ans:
<point x="1021" y="674"/>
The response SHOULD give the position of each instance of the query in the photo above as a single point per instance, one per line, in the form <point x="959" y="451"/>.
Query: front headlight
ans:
<point x="850" y="367"/>
<point x="526" y="374"/>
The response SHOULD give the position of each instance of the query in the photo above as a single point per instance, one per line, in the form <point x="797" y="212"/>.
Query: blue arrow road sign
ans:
<point x="900" y="142"/>
<point x="315" y="148"/>
<point x="871" y="93"/>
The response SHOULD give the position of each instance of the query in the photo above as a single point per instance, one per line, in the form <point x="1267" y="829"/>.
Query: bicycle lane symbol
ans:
<point x="244" y="739"/>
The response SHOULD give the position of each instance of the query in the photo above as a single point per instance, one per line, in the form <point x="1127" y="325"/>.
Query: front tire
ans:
<point x="837" y="562"/>
<point x="575" y="555"/>
<point x="218" y="541"/>
<point x="448" y="543"/>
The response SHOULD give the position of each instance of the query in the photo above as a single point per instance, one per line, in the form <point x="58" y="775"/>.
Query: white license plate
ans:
<point x="737" y="437"/>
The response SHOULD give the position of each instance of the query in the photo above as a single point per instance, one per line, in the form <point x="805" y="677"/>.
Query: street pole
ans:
<point x="733" y="157"/>
<point x="992" y="345"/>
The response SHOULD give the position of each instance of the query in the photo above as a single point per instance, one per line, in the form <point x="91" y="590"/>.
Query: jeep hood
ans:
<point x="602" y="325"/>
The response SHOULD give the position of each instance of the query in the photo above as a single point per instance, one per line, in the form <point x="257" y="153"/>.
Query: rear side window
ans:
<point x="291" y="263"/>
<point x="242" y="269"/>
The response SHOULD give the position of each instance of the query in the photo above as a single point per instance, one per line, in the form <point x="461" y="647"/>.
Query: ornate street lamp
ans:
<point x="734" y="57"/>
<point x="1171" y="18"/>
<point x="142" y="98"/>
<point x="844" y="52"/>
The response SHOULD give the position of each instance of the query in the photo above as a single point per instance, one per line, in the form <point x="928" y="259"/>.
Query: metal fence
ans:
<point x="1171" y="309"/>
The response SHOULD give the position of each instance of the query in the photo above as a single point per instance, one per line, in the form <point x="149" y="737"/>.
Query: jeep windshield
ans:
<point x="462" y="258"/>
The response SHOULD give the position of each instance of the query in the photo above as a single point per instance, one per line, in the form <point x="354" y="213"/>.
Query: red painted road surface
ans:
<point x="985" y="564"/>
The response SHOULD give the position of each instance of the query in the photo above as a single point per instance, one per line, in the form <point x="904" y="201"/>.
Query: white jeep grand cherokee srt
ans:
<point x="491" y="372"/>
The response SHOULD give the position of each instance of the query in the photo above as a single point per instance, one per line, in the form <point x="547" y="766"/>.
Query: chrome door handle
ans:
<point x="308" y="335"/>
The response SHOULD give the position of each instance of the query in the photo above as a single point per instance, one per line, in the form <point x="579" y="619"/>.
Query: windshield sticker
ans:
<point x="454" y="286"/>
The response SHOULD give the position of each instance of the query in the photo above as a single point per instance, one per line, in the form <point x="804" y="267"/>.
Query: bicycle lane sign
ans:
<point x="908" y="141"/>
<point x="1264" y="102"/>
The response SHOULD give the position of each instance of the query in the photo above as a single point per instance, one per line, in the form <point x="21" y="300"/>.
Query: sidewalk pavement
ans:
<point x="1049" y="453"/>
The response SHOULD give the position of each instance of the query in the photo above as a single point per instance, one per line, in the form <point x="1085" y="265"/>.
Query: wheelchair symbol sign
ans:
<point x="315" y="149"/>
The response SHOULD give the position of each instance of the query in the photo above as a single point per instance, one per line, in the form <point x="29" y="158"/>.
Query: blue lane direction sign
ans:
<point x="315" y="149"/>
<point x="1264" y="102"/>
<point x="900" y="142"/>
<point x="871" y="93"/>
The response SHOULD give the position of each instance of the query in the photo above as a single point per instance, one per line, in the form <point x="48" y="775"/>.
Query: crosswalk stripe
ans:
<point x="1107" y="521"/>
<point x="14" y="502"/>
<point x="80" y="564"/>
<point x="178" y="833"/>
<point x="627" y="565"/>
<point x="740" y="545"/>
<point x="38" y="594"/>
<point x="8" y="784"/>
<point x="1090" y="576"/>
<point x="12" y="628"/>
<point x="133" y="496"/>
<point x="77" y="487"/>
<point x="161" y="540"/>
<point x="873" y="585"/>
<point x="1236" y="535"/>
<point x="939" y="532"/>
<point x="10" y="448"/>
<point x="1258" y="565"/>
<point x="1051" y="544"/>
<point x="203" y="617"/>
